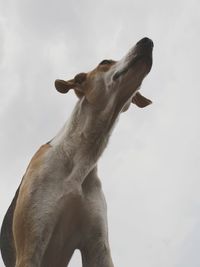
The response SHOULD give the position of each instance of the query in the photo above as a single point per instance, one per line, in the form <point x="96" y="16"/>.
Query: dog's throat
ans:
<point x="86" y="134"/>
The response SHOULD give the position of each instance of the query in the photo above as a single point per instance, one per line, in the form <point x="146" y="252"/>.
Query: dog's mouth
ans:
<point x="139" y="56"/>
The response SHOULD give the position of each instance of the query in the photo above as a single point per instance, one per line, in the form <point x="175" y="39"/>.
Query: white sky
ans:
<point x="151" y="168"/>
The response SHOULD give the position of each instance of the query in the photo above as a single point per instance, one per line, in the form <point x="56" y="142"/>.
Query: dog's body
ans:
<point x="60" y="205"/>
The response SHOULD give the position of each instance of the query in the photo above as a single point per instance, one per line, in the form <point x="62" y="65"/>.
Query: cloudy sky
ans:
<point x="151" y="168"/>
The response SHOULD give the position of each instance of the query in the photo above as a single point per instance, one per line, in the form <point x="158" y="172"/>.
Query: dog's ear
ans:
<point x="141" y="101"/>
<point x="64" y="86"/>
<point x="76" y="84"/>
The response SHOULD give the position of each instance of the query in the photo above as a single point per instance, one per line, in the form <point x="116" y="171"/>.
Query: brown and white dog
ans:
<point x="60" y="206"/>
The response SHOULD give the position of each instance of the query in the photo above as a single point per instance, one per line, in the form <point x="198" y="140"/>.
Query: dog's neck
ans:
<point x="85" y="135"/>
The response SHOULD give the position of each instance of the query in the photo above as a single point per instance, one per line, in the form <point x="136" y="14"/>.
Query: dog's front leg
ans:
<point x="96" y="255"/>
<point x="32" y="233"/>
<point x="36" y="217"/>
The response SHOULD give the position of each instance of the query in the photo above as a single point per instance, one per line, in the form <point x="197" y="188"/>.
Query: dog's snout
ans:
<point x="146" y="42"/>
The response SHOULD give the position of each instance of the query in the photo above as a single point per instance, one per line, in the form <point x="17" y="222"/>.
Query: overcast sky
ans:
<point x="151" y="168"/>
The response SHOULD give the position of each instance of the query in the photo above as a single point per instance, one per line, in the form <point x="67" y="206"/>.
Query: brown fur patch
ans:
<point x="101" y="68"/>
<point x="36" y="160"/>
<point x="20" y="223"/>
<point x="33" y="167"/>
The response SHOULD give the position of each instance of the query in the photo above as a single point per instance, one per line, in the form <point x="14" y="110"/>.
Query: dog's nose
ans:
<point x="145" y="42"/>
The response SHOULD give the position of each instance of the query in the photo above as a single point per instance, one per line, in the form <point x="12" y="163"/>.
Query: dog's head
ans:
<point x="114" y="82"/>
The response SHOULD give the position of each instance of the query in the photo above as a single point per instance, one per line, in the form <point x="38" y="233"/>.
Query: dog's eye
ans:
<point x="106" y="62"/>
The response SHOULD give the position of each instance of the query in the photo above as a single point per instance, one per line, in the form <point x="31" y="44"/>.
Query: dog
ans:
<point x="59" y="205"/>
